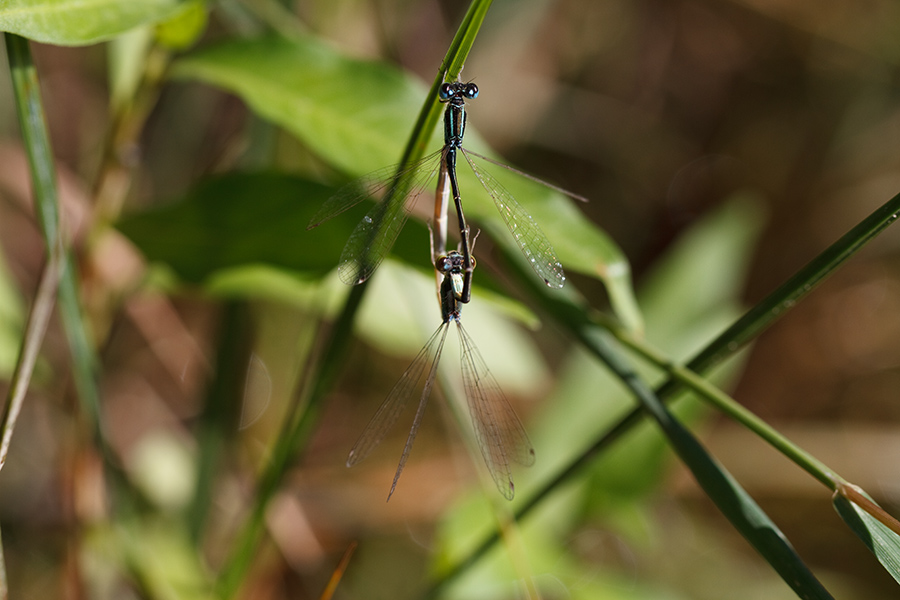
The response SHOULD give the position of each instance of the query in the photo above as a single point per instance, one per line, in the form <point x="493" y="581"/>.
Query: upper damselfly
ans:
<point x="498" y="430"/>
<point x="374" y="236"/>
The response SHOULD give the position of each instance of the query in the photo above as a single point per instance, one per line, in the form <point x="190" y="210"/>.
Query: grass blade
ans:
<point x="300" y="424"/>
<point x="729" y="342"/>
<point x="36" y="140"/>
<point x="881" y="536"/>
<point x="728" y="495"/>
<point x="36" y="327"/>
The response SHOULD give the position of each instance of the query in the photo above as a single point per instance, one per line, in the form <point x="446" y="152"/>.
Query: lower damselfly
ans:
<point x="500" y="434"/>
<point x="398" y="188"/>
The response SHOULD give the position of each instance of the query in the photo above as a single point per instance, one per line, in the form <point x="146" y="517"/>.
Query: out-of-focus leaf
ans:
<point x="126" y="55"/>
<point x="162" y="558"/>
<point x="163" y="468"/>
<point x="182" y="29"/>
<point x="76" y="23"/>
<point x="244" y="235"/>
<point x="883" y="542"/>
<point x="709" y="263"/>
<point x="154" y="554"/>
<point x="692" y="293"/>
<point x="688" y="296"/>
<point x="357" y="116"/>
<point x="238" y="220"/>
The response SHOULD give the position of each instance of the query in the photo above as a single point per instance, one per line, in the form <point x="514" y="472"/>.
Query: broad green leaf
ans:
<point x="184" y="27"/>
<point x="80" y="22"/>
<point x="883" y="542"/>
<point x="357" y="115"/>
<point x="240" y="220"/>
<point x="244" y="235"/>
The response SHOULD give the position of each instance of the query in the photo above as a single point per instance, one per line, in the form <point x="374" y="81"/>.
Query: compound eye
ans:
<point x="471" y="90"/>
<point x="441" y="264"/>
<point x="445" y="91"/>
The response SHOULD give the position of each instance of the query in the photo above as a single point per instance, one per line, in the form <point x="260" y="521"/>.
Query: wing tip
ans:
<point x="510" y="492"/>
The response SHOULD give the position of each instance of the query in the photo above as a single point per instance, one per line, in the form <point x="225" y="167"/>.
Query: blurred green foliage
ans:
<point x="722" y="145"/>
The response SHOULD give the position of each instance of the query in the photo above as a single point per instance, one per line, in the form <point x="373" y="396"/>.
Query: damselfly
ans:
<point x="498" y="431"/>
<point x="374" y="236"/>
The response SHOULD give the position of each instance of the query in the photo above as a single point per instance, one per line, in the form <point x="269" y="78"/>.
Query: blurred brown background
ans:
<point x="658" y="111"/>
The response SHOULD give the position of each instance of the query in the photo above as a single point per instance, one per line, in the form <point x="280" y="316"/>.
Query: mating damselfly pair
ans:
<point x="498" y="431"/>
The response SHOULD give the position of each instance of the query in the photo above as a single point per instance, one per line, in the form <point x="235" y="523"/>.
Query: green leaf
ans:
<point x="244" y="235"/>
<point x="883" y="542"/>
<point x="238" y="220"/>
<point x="163" y="560"/>
<point x="126" y="56"/>
<point x="184" y="27"/>
<point x="690" y="293"/>
<point x="356" y="115"/>
<point x="80" y="22"/>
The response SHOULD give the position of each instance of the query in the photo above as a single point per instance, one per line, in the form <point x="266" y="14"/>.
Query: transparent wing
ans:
<point x="375" y="235"/>
<point x="524" y="229"/>
<point x="423" y="401"/>
<point x="371" y="240"/>
<point x="389" y="411"/>
<point x="546" y="184"/>
<point x="498" y="430"/>
<point x="373" y="185"/>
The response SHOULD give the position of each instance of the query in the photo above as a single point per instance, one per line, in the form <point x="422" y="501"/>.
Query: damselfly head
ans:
<point x="454" y="262"/>
<point x="463" y="91"/>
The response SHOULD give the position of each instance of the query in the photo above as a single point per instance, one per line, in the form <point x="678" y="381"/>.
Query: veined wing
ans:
<point x="524" y="229"/>
<point x="437" y="340"/>
<point x="375" y="235"/>
<point x="546" y="184"/>
<point x="373" y="185"/>
<point x="498" y="430"/>
<point x="389" y="411"/>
